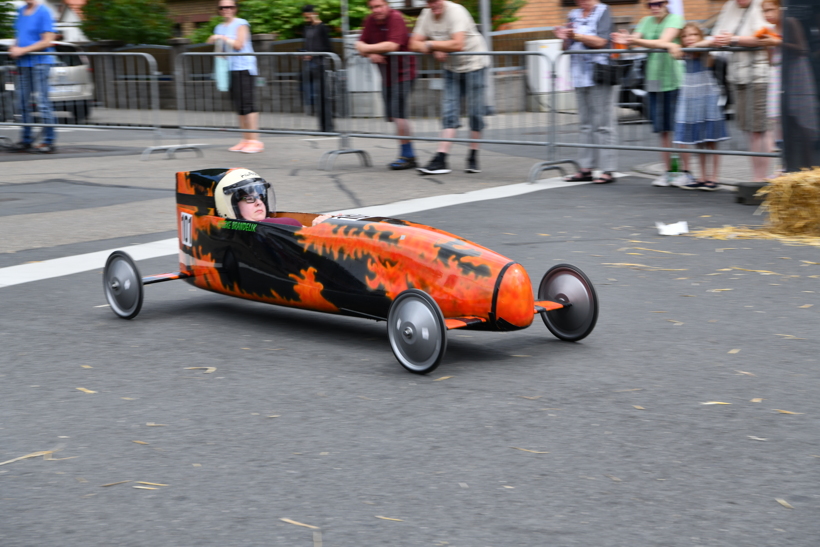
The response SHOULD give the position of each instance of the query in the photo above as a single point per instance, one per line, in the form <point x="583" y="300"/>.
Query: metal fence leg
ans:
<point x="331" y="156"/>
<point x="538" y="168"/>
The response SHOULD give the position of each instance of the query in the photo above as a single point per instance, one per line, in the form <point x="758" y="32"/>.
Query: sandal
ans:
<point x="604" y="178"/>
<point x="580" y="176"/>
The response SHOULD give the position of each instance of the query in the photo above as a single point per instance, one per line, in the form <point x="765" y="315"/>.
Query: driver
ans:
<point x="242" y="194"/>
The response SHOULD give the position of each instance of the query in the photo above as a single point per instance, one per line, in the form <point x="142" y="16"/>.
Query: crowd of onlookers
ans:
<point x="684" y="97"/>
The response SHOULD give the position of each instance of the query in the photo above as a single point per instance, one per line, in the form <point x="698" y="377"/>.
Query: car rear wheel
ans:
<point x="568" y="285"/>
<point x="122" y="284"/>
<point x="417" y="332"/>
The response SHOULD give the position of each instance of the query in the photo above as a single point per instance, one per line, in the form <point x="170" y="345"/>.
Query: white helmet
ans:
<point x="235" y="185"/>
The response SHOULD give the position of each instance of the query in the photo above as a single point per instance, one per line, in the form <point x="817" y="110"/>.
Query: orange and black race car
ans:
<point x="421" y="280"/>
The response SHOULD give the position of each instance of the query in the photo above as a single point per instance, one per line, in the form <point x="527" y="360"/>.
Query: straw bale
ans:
<point x="792" y="201"/>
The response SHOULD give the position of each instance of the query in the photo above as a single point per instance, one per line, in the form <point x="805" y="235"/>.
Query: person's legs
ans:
<point x="583" y="99"/>
<point x="760" y="166"/>
<point x="248" y="115"/>
<point x="476" y="83"/>
<point x="657" y="110"/>
<point x="450" y="109"/>
<point x="24" y="87"/>
<point x="395" y="102"/>
<point x="325" y="99"/>
<point x="40" y="77"/>
<point x="604" y="132"/>
<point x="751" y="118"/>
<point x="713" y="176"/>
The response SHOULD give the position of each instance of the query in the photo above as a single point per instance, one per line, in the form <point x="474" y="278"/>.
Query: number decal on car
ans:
<point x="186" y="221"/>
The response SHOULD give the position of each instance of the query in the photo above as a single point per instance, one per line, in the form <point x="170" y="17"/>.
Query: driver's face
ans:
<point x="253" y="211"/>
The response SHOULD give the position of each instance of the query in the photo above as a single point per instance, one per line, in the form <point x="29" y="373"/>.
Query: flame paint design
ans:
<point x="459" y="275"/>
<point x="207" y="276"/>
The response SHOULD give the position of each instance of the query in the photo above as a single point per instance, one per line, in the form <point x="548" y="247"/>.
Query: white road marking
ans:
<point x="58" y="267"/>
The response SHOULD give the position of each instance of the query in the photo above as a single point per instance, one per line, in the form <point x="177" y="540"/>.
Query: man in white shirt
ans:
<point x="443" y="28"/>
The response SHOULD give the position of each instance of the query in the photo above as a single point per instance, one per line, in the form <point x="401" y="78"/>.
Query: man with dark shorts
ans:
<point x="385" y="32"/>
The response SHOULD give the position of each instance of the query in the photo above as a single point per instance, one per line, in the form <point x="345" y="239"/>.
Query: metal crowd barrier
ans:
<point x="293" y="95"/>
<point x="96" y="90"/>
<point x="633" y="120"/>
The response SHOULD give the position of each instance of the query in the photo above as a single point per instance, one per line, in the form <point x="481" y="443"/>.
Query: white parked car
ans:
<point x="70" y="79"/>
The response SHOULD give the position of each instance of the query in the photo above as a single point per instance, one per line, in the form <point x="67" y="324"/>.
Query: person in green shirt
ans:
<point x="663" y="77"/>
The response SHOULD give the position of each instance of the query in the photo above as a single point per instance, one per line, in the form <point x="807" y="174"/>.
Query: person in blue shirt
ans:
<point x="234" y="35"/>
<point x="34" y="31"/>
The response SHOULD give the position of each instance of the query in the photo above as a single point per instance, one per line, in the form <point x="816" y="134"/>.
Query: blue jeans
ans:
<point x="456" y="86"/>
<point x="35" y="80"/>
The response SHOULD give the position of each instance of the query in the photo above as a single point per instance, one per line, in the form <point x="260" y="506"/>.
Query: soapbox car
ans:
<point x="421" y="280"/>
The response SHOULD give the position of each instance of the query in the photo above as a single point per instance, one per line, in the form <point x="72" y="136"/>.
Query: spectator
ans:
<point x="699" y="118"/>
<point x="384" y="32"/>
<point x="34" y="31"/>
<point x="748" y="73"/>
<point x="662" y="78"/>
<point x="589" y="28"/>
<point x="445" y="27"/>
<point x="317" y="39"/>
<point x="235" y="35"/>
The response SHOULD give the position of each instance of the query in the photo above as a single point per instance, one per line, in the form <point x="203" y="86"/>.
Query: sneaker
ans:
<point x="44" y="149"/>
<point x="437" y="166"/>
<point x="709" y="186"/>
<point x="693" y="186"/>
<point x="662" y="180"/>
<point x="253" y="147"/>
<point x="20" y="146"/>
<point x="682" y="179"/>
<point x="472" y="165"/>
<point x="238" y="147"/>
<point x="402" y="163"/>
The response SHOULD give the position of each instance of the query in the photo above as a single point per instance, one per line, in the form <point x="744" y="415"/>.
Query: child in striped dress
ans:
<point x="699" y="119"/>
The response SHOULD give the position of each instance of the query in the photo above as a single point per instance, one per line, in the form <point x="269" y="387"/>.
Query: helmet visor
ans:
<point x="249" y="190"/>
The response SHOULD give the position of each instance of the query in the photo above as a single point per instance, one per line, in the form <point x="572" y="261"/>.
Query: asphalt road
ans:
<point x="517" y="438"/>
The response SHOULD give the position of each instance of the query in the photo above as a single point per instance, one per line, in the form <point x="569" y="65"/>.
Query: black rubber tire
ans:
<point x="122" y="284"/>
<point x="417" y="332"/>
<point x="565" y="283"/>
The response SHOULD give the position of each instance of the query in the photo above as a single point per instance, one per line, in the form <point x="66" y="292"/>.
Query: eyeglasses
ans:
<point x="250" y="199"/>
<point x="226" y="7"/>
<point x="655" y="4"/>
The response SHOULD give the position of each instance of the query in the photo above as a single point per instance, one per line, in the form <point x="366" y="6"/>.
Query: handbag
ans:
<point x="609" y="74"/>
<point x="222" y="70"/>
